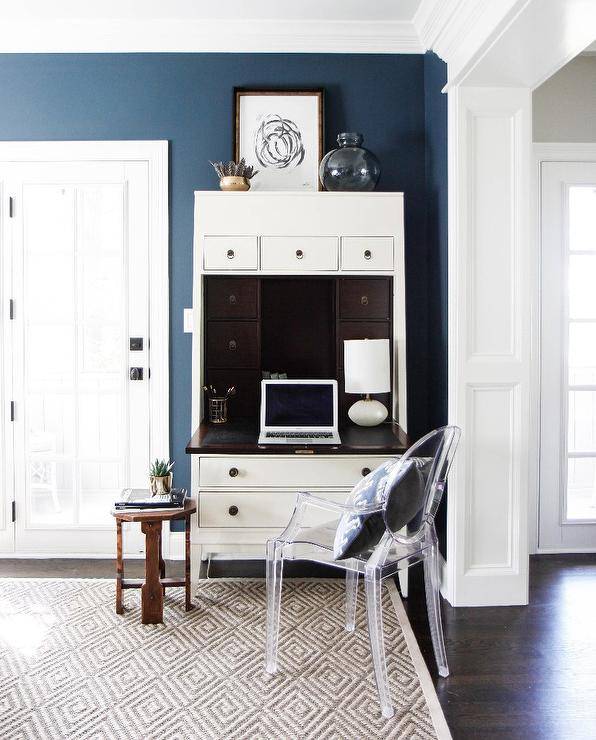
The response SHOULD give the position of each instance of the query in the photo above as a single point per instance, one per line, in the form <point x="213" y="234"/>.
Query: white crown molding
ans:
<point x="457" y="29"/>
<point x="183" y="35"/>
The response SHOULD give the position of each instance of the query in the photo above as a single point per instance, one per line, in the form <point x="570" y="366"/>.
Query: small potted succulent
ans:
<point x="160" y="477"/>
<point x="234" y="175"/>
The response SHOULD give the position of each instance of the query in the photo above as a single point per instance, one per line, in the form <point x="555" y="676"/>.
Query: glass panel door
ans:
<point x="81" y="289"/>
<point x="568" y="427"/>
<point x="580" y="498"/>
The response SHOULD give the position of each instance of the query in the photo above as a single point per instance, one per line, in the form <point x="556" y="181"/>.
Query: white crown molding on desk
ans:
<point x="208" y="35"/>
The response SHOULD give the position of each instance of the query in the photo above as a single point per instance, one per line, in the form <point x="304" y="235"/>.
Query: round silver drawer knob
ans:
<point x="230" y="254"/>
<point x="233" y="510"/>
<point x="364" y="300"/>
<point x="233" y="472"/>
<point x="232" y="345"/>
<point x="232" y="300"/>
<point x="367" y="254"/>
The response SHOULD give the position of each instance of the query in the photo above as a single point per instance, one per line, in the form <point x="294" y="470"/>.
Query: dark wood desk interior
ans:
<point x="240" y="437"/>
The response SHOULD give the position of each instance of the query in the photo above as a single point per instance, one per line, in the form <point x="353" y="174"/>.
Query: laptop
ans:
<point x="295" y="412"/>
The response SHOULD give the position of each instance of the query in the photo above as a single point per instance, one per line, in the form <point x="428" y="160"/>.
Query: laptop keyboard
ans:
<point x="299" y="435"/>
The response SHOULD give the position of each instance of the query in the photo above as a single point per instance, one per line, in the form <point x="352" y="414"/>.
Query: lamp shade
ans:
<point x="366" y="366"/>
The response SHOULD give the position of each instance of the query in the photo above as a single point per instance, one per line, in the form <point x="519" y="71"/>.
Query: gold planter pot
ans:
<point x="233" y="183"/>
<point x="160" y="484"/>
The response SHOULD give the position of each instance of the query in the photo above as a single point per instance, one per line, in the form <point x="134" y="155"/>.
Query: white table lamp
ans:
<point x="367" y="370"/>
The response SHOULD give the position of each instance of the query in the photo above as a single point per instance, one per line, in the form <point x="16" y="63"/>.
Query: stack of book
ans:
<point x="141" y="498"/>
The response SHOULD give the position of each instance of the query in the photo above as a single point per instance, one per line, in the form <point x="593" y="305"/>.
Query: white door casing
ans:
<point x="490" y="345"/>
<point x="496" y="53"/>
<point x="566" y="329"/>
<point x="82" y="178"/>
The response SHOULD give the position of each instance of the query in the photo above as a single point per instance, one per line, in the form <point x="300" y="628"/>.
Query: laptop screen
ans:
<point x="299" y="405"/>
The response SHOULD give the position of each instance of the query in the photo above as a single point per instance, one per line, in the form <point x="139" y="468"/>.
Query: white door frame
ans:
<point x="547" y="152"/>
<point x="155" y="154"/>
<point x="496" y="54"/>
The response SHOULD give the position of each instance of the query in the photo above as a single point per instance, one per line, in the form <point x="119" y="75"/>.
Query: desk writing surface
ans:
<point x="240" y="436"/>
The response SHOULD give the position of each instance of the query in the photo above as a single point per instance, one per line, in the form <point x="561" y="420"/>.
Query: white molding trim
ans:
<point x="67" y="556"/>
<point x="206" y="35"/>
<point x="155" y="154"/>
<point x="490" y="361"/>
<point x="566" y="551"/>
<point x="457" y="29"/>
<point x="564" y="152"/>
<point x="545" y="152"/>
<point x="517" y="43"/>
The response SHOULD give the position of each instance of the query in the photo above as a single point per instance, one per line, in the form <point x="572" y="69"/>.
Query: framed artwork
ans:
<point x="280" y="132"/>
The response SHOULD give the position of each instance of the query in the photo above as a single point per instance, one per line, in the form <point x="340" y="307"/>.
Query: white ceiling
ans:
<point x="384" y="26"/>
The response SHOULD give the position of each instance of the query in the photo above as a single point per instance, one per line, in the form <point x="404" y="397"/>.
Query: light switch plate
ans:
<point x="188" y="321"/>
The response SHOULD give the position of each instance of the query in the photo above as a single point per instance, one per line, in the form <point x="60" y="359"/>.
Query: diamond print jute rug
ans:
<point x="71" y="668"/>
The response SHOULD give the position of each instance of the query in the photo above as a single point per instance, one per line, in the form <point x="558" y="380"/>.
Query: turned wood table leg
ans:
<point x="119" y="568"/>
<point x="152" y="590"/>
<point x="188" y="603"/>
<point x="162" y="565"/>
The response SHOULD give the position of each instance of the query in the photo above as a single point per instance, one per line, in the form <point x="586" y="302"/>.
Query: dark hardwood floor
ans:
<point x="516" y="672"/>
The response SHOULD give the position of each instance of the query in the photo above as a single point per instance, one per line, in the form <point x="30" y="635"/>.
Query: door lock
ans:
<point x="136" y="373"/>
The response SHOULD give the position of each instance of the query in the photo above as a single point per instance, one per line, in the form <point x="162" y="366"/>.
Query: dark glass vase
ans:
<point x="350" y="167"/>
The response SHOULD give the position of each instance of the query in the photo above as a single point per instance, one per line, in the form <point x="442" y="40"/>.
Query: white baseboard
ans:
<point x="565" y="551"/>
<point x="445" y="584"/>
<point x="67" y="556"/>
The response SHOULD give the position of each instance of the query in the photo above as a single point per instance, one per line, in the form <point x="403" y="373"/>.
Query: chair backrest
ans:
<point x="415" y="485"/>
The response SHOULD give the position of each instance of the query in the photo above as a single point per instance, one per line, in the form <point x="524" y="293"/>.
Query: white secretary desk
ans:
<point x="245" y="492"/>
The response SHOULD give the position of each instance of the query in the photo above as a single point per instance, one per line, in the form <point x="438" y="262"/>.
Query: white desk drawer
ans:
<point x="305" y="473"/>
<point x="242" y="509"/>
<point x="367" y="253"/>
<point x="299" y="253"/>
<point x="230" y="253"/>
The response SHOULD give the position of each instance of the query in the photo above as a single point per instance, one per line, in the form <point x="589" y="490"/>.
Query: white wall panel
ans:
<point x="491" y="416"/>
<point x="490" y="340"/>
<point x="491" y="213"/>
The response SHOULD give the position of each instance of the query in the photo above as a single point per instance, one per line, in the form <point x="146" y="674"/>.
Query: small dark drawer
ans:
<point x="232" y="298"/>
<point x="233" y="344"/>
<point x="246" y="402"/>
<point x="365" y="298"/>
<point x="360" y="330"/>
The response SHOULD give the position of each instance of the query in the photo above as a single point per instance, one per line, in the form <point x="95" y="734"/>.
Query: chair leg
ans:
<point x="374" y="617"/>
<point x="274" y="580"/>
<point x="433" y="606"/>
<point x="351" y="599"/>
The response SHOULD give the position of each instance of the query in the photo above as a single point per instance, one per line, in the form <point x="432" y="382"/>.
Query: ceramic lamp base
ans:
<point x="367" y="412"/>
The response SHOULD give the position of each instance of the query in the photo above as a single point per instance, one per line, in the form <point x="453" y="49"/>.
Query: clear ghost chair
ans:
<point x="397" y="504"/>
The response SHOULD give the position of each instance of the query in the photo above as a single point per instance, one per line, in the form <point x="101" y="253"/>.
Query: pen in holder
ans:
<point x="218" y="405"/>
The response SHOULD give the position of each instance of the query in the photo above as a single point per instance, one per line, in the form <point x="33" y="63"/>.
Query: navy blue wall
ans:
<point x="187" y="99"/>
<point x="435" y="110"/>
<point x="435" y="115"/>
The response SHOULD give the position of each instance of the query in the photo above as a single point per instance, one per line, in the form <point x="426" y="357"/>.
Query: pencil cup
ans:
<point x="218" y="410"/>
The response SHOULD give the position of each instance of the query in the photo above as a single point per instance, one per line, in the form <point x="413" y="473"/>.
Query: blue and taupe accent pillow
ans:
<point x="358" y="534"/>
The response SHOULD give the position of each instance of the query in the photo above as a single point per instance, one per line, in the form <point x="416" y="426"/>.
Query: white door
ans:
<point x="567" y="505"/>
<point x="75" y="262"/>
